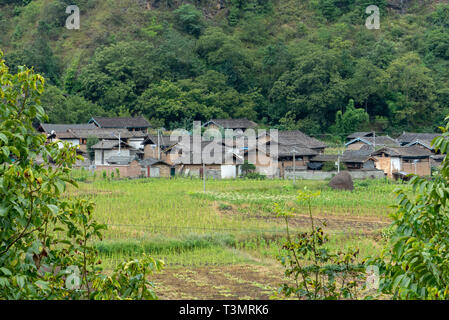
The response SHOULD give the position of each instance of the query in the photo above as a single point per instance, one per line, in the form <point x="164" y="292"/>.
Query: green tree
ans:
<point x="412" y="91"/>
<point x="415" y="262"/>
<point x="352" y="119"/>
<point x="46" y="239"/>
<point x="190" y="19"/>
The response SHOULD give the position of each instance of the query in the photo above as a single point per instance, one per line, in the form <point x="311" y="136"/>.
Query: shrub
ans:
<point x="415" y="262"/>
<point x="255" y="176"/>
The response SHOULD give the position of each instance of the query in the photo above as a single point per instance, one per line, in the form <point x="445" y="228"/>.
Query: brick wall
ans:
<point x="422" y="167"/>
<point x="132" y="170"/>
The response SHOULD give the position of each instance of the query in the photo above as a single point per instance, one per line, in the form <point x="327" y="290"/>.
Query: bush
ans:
<point x="255" y="176"/>
<point x="329" y="166"/>
<point x="414" y="264"/>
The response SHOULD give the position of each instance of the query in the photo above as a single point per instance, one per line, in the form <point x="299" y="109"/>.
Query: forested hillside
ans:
<point x="294" y="64"/>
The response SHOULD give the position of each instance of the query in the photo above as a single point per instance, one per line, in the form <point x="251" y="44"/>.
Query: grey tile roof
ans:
<point x="101" y="133"/>
<point x="233" y="123"/>
<point x="109" y="144"/>
<point x="404" y="152"/>
<point x="296" y="137"/>
<point x="360" y="134"/>
<point x="151" y="161"/>
<point x="120" y="160"/>
<point x="425" y="143"/>
<point x="408" y="137"/>
<point x="121" y="122"/>
<point x="164" y="140"/>
<point x="59" y="128"/>
<point x="354" y="156"/>
<point x="378" y="140"/>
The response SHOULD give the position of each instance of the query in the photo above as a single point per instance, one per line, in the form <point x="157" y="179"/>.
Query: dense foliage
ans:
<point x="291" y="64"/>
<point x="46" y="239"/>
<point x="415" y="262"/>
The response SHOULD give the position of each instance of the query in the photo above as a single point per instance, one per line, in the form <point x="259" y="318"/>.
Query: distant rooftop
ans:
<point x="233" y="123"/>
<point x="408" y="137"/>
<point x="58" y="128"/>
<point x="120" y="122"/>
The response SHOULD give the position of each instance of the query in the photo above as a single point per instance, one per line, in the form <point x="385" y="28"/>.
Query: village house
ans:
<point x="374" y="142"/>
<point x="128" y="123"/>
<point x="155" y="145"/>
<point x="351" y="159"/>
<point x="423" y="140"/>
<point x="108" y="152"/>
<point x="239" y="125"/>
<point x="154" y="168"/>
<point x="294" y="138"/>
<point x="400" y="161"/>
<point x="187" y="161"/>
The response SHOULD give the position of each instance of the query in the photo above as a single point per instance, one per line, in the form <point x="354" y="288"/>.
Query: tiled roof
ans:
<point x="360" y="134"/>
<point x="121" y="122"/>
<point x="355" y="156"/>
<point x="59" y="128"/>
<point x="378" y="140"/>
<point x="404" y="152"/>
<point x="296" y="137"/>
<point x="233" y="123"/>
<point x="408" y="137"/>
<point x="151" y="161"/>
<point x="164" y="140"/>
<point x="109" y="144"/>
<point x="101" y="133"/>
<point x="425" y="143"/>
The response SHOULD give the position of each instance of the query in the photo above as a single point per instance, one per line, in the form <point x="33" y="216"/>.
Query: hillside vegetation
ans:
<point x="308" y="65"/>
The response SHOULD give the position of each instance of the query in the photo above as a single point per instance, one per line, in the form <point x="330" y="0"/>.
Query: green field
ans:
<point x="223" y="243"/>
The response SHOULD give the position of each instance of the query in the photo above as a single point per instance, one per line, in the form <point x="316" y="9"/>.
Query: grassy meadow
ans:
<point x="223" y="243"/>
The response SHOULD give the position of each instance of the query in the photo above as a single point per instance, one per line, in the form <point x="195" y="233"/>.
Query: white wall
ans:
<point x="136" y="143"/>
<point x="73" y="142"/>
<point x="228" y="171"/>
<point x="108" y="154"/>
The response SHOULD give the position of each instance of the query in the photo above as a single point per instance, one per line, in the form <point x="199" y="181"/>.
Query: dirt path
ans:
<point x="231" y="282"/>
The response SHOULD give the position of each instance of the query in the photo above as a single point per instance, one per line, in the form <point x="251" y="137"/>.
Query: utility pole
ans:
<point x="158" y="146"/>
<point x="374" y="140"/>
<point x="119" y="142"/>
<point x="338" y="161"/>
<point x="204" y="177"/>
<point x="294" y="166"/>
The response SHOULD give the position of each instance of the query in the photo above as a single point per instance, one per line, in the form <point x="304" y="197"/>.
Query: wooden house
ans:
<point x="403" y="160"/>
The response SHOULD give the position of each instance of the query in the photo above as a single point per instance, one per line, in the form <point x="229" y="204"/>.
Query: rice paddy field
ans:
<point x="222" y="243"/>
